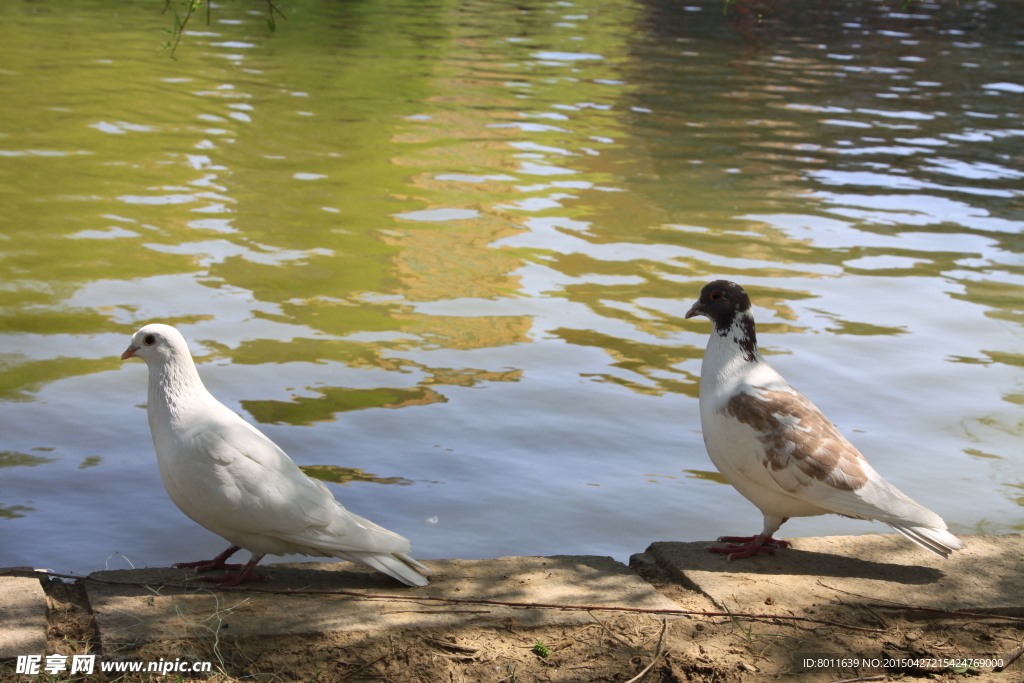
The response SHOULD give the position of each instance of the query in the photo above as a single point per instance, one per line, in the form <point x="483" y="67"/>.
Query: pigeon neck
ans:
<point x="175" y="386"/>
<point x="740" y="333"/>
<point x="731" y="348"/>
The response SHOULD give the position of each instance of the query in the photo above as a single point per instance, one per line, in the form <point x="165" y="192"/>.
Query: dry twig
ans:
<point x="657" y="654"/>
<point x="1010" y="657"/>
<point x="613" y="634"/>
<point x="352" y="673"/>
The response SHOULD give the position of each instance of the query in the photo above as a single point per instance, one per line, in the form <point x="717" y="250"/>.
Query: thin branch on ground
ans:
<point x="613" y="635"/>
<point x="350" y="674"/>
<point x="1010" y="657"/>
<point x="657" y="653"/>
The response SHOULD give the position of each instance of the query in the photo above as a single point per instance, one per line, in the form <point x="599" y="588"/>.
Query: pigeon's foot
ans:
<point x="233" y="579"/>
<point x="749" y="546"/>
<point x="215" y="563"/>
<point x="750" y="539"/>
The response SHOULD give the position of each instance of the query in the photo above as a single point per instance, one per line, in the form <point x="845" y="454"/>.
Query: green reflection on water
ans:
<point x="981" y="454"/>
<point x="345" y="475"/>
<point x="862" y="329"/>
<point x="14" y="511"/>
<point x="647" y="360"/>
<point x="15" y="459"/>
<point x="1005" y="299"/>
<point x="361" y="355"/>
<point x="48" y="321"/>
<point x="707" y="476"/>
<point x="19" y="379"/>
<point x="1017" y="499"/>
<point x="1006" y="358"/>
<point x="304" y="350"/>
<point x="1016" y="359"/>
<point x="305" y="410"/>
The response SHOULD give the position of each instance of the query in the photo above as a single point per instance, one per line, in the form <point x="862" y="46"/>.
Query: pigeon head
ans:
<point x="720" y="301"/>
<point x="156" y="343"/>
<point x="728" y="307"/>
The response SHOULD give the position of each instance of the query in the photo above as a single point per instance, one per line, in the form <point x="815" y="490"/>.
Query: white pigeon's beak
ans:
<point x="129" y="352"/>
<point x="695" y="310"/>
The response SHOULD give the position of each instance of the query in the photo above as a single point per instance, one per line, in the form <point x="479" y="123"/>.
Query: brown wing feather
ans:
<point x="795" y="434"/>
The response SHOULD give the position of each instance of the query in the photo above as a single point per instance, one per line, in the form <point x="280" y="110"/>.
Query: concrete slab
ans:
<point x="987" y="576"/>
<point x="23" y="615"/>
<point x="128" y="616"/>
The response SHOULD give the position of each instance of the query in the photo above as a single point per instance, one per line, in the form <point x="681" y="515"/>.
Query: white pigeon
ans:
<point x="778" y="449"/>
<point x="228" y="477"/>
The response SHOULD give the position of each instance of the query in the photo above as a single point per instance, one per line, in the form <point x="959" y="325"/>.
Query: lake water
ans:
<point x="442" y="251"/>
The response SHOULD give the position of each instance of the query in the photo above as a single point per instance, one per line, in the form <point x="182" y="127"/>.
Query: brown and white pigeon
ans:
<point x="778" y="449"/>
<point x="228" y="477"/>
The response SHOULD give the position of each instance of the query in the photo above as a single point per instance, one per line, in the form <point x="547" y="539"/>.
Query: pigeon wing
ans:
<point x="268" y="494"/>
<point x="809" y="459"/>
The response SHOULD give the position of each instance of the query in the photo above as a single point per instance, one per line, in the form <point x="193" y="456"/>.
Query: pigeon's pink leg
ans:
<point x="246" y="574"/>
<point x="750" y="545"/>
<point x="215" y="563"/>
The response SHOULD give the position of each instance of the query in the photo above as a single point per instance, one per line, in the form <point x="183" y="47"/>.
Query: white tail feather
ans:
<point x="938" y="541"/>
<point x="396" y="565"/>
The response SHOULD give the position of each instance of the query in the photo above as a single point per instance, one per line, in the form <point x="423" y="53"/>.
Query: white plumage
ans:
<point x="778" y="450"/>
<point x="228" y="477"/>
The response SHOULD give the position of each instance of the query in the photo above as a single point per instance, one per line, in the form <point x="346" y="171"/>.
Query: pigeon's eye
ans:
<point x="716" y="295"/>
<point x="149" y="340"/>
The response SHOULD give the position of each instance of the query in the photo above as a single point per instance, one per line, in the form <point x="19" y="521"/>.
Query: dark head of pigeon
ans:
<point x="720" y="301"/>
